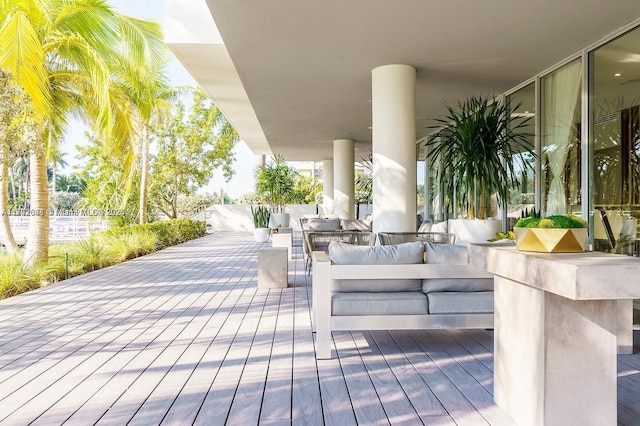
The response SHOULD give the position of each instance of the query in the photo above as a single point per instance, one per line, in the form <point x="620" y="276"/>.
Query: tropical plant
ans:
<point x="275" y="182"/>
<point x="477" y="145"/>
<point x="364" y="179"/>
<point x="64" y="54"/>
<point x="261" y="216"/>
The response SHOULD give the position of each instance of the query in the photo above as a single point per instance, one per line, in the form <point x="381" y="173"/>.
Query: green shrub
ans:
<point x="168" y="232"/>
<point x="15" y="278"/>
<point x="98" y="251"/>
<point x="131" y="244"/>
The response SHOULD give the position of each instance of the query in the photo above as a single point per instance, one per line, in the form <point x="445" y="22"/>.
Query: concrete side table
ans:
<point x="283" y="240"/>
<point x="558" y="327"/>
<point x="273" y="267"/>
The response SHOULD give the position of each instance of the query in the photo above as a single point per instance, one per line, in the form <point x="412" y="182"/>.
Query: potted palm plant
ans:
<point x="475" y="150"/>
<point x="261" y="216"/>
<point x="275" y="182"/>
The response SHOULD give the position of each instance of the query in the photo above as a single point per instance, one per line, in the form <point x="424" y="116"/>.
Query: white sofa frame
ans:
<point x="324" y="322"/>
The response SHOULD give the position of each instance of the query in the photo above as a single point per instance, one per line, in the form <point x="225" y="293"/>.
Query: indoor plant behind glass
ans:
<point x="275" y="182"/>
<point x="261" y="217"/>
<point x="475" y="150"/>
<point x="552" y="234"/>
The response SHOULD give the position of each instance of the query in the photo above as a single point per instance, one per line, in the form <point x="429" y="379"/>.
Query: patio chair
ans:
<point x="387" y="238"/>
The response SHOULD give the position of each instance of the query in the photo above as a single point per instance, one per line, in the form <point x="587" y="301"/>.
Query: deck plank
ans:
<point x="183" y="336"/>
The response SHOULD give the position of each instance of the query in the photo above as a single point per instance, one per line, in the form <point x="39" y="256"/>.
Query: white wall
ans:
<point x="237" y="217"/>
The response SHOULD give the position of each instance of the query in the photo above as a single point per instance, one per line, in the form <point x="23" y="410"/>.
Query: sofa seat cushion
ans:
<point x="390" y="303"/>
<point x="346" y="254"/>
<point x="457" y="284"/>
<point x="460" y="302"/>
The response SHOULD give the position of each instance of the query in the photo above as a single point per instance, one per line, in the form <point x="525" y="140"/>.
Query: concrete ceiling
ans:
<point x="305" y="66"/>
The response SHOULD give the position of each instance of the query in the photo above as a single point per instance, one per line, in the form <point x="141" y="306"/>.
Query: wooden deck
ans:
<point x="183" y="336"/>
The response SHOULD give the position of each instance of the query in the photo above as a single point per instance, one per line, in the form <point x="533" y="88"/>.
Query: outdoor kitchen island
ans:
<point x="559" y="320"/>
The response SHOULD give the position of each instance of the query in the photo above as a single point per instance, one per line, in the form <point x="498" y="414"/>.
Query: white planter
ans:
<point x="474" y="230"/>
<point x="261" y="235"/>
<point x="279" y="220"/>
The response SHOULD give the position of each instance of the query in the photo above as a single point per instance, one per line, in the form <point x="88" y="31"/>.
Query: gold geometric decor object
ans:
<point x="551" y="240"/>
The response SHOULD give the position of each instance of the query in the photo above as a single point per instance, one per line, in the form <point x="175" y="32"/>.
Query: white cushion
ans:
<point x="440" y="227"/>
<point x="446" y="254"/>
<point x="346" y="254"/>
<point x="355" y="225"/>
<point x="425" y="227"/>
<point x="319" y="224"/>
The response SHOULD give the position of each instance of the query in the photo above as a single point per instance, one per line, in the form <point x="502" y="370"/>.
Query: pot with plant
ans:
<point x="275" y="182"/>
<point x="261" y="217"/>
<point x="552" y="234"/>
<point x="475" y="150"/>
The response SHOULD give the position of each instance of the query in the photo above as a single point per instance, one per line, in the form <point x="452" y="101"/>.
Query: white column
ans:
<point x="394" y="148"/>
<point x="327" y="187"/>
<point x="343" y="179"/>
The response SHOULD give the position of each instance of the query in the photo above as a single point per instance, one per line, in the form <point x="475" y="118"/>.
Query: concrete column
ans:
<point x="327" y="187"/>
<point x="394" y="148"/>
<point x="343" y="179"/>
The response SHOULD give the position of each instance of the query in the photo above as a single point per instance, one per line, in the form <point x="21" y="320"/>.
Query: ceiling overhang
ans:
<point x="293" y="76"/>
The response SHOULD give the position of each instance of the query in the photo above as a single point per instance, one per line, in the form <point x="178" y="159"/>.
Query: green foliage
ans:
<point x="555" y="221"/>
<point x="70" y="183"/>
<point x="106" y="181"/>
<point x="261" y="216"/>
<point x="100" y="250"/>
<point x="191" y="145"/>
<point x="191" y="204"/>
<point x="62" y="200"/>
<point x="477" y="145"/>
<point x="509" y="235"/>
<point x="364" y="181"/>
<point x="168" y="232"/>
<point x="16" y="278"/>
<point x="275" y="182"/>
<point x="305" y="190"/>
<point x="131" y="244"/>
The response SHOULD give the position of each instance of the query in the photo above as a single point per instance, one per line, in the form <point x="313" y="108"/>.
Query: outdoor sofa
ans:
<point x="392" y="287"/>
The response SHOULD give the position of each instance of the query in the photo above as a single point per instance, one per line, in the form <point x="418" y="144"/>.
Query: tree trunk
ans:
<point x="37" y="249"/>
<point x="5" y="226"/>
<point x="13" y="183"/>
<point x="144" y="178"/>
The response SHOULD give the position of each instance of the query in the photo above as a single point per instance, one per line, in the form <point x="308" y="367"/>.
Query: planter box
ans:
<point x="474" y="230"/>
<point x="551" y="240"/>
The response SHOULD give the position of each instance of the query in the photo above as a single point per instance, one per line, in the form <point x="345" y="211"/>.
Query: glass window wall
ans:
<point x="614" y="115"/>
<point x="560" y="139"/>
<point x="521" y="197"/>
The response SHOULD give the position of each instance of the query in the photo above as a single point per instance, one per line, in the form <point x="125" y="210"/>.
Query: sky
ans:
<point x="242" y="181"/>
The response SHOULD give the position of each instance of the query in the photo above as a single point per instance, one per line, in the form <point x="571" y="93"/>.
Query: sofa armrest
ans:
<point x="321" y="303"/>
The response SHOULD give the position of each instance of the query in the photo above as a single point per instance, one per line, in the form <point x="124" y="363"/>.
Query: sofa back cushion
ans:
<point x="346" y="254"/>
<point x="355" y="224"/>
<point x="445" y="254"/>
<point x="320" y="224"/>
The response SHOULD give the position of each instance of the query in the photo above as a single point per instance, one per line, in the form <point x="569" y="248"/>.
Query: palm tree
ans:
<point x="60" y="52"/>
<point x="152" y="98"/>
<point x="56" y="158"/>
<point x="13" y="139"/>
